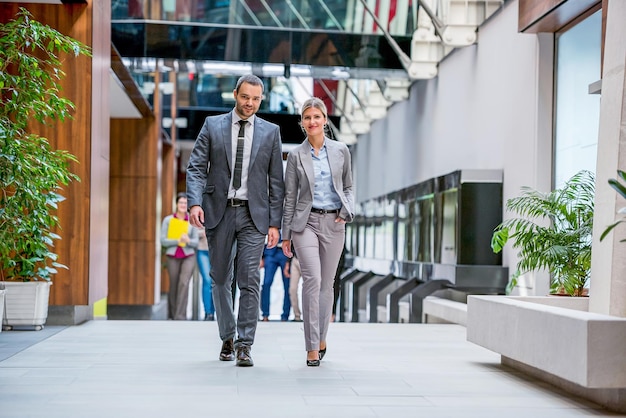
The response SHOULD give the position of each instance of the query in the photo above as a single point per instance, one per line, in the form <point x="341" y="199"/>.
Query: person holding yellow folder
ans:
<point x="180" y="240"/>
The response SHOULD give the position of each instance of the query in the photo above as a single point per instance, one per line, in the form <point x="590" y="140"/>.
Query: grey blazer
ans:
<point x="300" y="184"/>
<point x="209" y="172"/>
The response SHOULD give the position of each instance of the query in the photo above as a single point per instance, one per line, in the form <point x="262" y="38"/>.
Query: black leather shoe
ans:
<point x="322" y="354"/>
<point x="228" y="351"/>
<point x="243" y="357"/>
<point x="312" y="363"/>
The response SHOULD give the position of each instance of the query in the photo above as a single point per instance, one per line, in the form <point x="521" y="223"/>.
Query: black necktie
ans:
<point x="239" y="157"/>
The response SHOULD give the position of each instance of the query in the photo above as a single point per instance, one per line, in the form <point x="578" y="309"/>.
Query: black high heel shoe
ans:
<point x="322" y="354"/>
<point x="312" y="363"/>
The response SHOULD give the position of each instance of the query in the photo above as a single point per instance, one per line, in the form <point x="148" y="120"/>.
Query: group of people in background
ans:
<point x="255" y="216"/>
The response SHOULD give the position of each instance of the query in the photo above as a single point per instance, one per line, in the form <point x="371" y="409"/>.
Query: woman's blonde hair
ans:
<point x="317" y="104"/>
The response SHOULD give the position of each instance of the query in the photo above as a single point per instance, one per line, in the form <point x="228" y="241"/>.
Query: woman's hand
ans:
<point x="287" y="248"/>
<point x="184" y="239"/>
<point x="340" y="220"/>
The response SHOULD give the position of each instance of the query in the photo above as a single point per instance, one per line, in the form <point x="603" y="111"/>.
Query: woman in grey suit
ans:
<point x="318" y="203"/>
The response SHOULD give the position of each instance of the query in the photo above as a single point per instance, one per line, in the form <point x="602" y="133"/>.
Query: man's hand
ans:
<point x="272" y="237"/>
<point x="196" y="216"/>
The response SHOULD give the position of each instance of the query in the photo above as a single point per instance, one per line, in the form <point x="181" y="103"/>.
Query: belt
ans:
<point x="235" y="203"/>
<point x="324" y="211"/>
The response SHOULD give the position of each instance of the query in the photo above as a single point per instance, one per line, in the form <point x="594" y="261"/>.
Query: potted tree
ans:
<point x="31" y="171"/>
<point x="553" y="233"/>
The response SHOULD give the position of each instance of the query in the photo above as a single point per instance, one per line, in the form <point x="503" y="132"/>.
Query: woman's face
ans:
<point x="313" y="121"/>
<point x="181" y="205"/>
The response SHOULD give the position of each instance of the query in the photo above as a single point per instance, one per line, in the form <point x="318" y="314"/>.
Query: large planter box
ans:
<point x="556" y="335"/>
<point x="26" y="304"/>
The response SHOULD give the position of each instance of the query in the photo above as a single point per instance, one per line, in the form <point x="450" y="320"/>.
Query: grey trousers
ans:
<point x="235" y="247"/>
<point x="319" y="248"/>
<point x="180" y="271"/>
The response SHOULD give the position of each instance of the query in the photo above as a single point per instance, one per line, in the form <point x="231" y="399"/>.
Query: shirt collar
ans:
<point x="323" y="145"/>
<point x="236" y="118"/>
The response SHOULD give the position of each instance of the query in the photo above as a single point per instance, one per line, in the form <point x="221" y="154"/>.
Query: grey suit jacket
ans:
<point x="300" y="184"/>
<point x="209" y="172"/>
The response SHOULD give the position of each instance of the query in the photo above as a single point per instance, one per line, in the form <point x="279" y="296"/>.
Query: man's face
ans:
<point x="248" y="100"/>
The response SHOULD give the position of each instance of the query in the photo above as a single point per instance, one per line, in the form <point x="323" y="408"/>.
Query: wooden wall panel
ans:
<point x="133" y="147"/>
<point x="133" y="210"/>
<point x="134" y="220"/>
<point x="537" y="16"/>
<point x="132" y="273"/>
<point x="168" y="191"/>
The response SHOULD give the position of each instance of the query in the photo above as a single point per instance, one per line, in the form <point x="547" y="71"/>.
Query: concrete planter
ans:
<point x="555" y="339"/>
<point x="26" y="304"/>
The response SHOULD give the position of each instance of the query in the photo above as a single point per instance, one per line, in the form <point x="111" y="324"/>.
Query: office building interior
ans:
<point x="449" y="109"/>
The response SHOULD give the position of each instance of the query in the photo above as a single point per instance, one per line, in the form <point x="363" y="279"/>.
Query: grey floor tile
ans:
<point x="170" y="368"/>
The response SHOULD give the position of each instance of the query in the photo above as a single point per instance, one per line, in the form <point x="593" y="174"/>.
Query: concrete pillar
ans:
<point x="608" y="269"/>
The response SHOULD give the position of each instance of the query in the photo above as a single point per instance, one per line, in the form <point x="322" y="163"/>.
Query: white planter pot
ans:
<point x="26" y="304"/>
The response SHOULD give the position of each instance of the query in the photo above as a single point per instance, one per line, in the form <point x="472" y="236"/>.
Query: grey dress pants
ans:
<point x="319" y="248"/>
<point x="236" y="241"/>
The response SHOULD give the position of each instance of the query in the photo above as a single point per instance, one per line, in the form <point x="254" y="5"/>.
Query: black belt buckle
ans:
<point x="235" y="203"/>
<point x="324" y="211"/>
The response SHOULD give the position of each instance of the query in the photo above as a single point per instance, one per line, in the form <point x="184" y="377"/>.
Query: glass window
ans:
<point x="577" y="112"/>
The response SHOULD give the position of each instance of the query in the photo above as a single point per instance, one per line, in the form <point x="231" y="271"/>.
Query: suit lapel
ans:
<point x="227" y="134"/>
<point x="307" y="164"/>
<point x="334" y="161"/>
<point x="257" y="138"/>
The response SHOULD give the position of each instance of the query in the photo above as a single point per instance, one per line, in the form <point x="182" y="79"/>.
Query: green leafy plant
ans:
<point x="561" y="243"/>
<point x="31" y="171"/>
<point x="621" y="190"/>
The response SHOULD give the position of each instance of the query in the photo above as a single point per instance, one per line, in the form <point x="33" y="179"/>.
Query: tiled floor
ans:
<point x="156" y="369"/>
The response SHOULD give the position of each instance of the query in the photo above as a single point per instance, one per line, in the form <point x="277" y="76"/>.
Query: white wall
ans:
<point x="490" y="107"/>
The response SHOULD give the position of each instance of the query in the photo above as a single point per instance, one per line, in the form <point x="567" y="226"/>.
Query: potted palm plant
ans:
<point x="31" y="170"/>
<point x="553" y="232"/>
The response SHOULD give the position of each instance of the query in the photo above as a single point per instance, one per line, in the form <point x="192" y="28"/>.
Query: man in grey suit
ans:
<point x="235" y="190"/>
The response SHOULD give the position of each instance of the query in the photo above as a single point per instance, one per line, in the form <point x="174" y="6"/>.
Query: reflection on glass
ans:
<point x="577" y="113"/>
<point x="362" y="232"/>
<point x="350" y="232"/>
<point x="424" y="229"/>
<point x="370" y="229"/>
<point x="337" y="15"/>
<point x="445" y="227"/>
<point x="389" y="215"/>
<point x="412" y="235"/>
<point x="383" y="232"/>
<point x="403" y="242"/>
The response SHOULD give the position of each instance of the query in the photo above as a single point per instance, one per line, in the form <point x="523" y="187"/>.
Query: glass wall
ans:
<point x="444" y="221"/>
<point x="341" y="15"/>
<point x="577" y="112"/>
